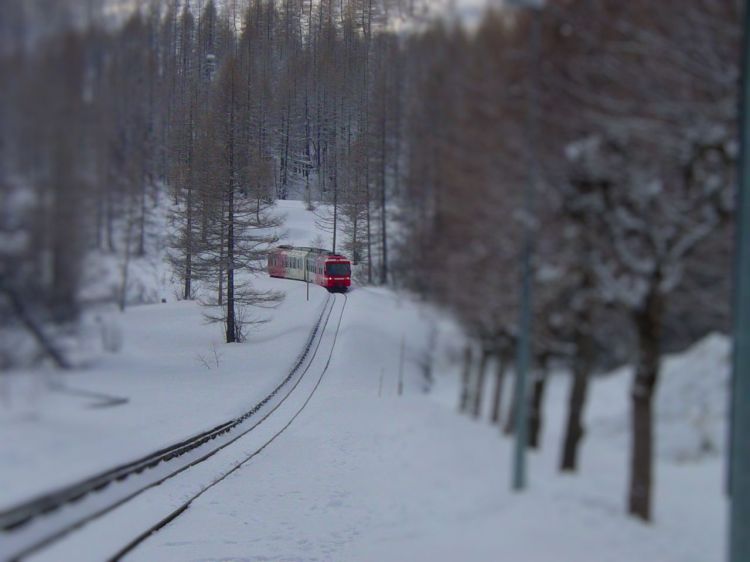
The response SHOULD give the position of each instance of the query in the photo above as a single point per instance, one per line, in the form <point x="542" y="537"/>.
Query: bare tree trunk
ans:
<point x="231" y="320"/>
<point x="335" y="176"/>
<point x="220" y="298"/>
<point x="125" y="270"/>
<point x="510" y="421"/>
<point x="479" y="384"/>
<point x="110" y="223"/>
<point x="383" y="217"/>
<point x="231" y="328"/>
<point x="141" y="248"/>
<point x="648" y="326"/>
<point x="36" y="330"/>
<point x="367" y="142"/>
<point x="284" y="160"/>
<point x="497" y="395"/>
<point x="397" y="128"/>
<point x="574" y="430"/>
<point x="308" y="153"/>
<point x="99" y="222"/>
<point x="536" y="410"/>
<point x="463" y="403"/>
<point x="368" y="215"/>
<point x="189" y="216"/>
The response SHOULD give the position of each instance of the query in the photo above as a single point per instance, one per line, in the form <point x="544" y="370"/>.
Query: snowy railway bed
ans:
<point x="33" y="525"/>
<point x="296" y="411"/>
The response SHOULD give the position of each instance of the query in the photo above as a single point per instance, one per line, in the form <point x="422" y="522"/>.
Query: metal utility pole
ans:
<point x="523" y="358"/>
<point x="739" y="460"/>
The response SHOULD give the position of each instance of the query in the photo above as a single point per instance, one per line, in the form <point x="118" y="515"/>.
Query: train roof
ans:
<point x="319" y="251"/>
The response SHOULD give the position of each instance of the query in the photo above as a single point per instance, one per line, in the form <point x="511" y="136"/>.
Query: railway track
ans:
<point x="28" y="527"/>
<point x="130" y="547"/>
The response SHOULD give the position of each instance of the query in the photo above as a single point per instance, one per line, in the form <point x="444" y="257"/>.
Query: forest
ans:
<point x="598" y="138"/>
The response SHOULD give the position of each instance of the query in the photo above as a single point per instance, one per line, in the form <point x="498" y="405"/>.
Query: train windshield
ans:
<point x="338" y="269"/>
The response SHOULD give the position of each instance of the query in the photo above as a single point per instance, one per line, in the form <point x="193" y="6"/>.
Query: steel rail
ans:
<point x="183" y="507"/>
<point x="17" y="517"/>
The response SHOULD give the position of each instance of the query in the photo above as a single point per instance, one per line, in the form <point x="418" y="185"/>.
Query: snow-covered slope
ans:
<point x="365" y="473"/>
<point x="690" y="406"/>
<point x="175" y="374"/>
<point x="692" y="400"/>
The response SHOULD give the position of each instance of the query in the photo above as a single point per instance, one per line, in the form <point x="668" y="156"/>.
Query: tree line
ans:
<point x="220" y="109"/>
<point x="617" y="121"/>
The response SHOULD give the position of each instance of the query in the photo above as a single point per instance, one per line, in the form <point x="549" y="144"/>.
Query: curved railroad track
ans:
<point x="27" y="527"/>
<point x="130" y="547"/>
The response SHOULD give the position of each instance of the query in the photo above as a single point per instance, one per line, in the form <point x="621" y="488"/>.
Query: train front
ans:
<point x="338" y="273"/>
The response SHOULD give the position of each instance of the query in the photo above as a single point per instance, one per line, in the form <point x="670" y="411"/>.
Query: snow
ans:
<point x="366" y="477"/>
<point x="362" y="473"/>
<point x="691" y="402"/>
<point x="299" y="226"/>
<point x="175" y="374"/>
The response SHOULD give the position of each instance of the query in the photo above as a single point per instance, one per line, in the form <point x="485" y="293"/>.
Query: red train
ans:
<point x="324" y="268"/>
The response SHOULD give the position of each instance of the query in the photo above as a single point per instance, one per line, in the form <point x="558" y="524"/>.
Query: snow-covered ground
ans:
<point x="176" y="376"/>
<point x="173" y="372"/>
<point x="365" y="473"/>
